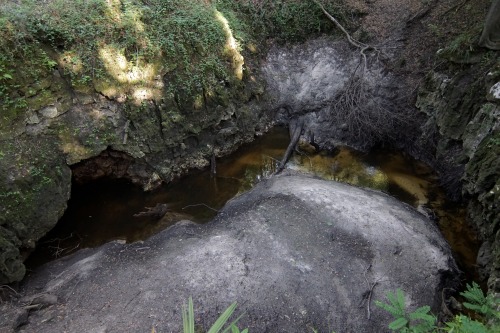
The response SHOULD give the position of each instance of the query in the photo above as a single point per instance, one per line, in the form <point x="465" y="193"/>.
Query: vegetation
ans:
<point x="130" y="43"/>
<point x="486" y="315"/>
<point x="188" y="320"/>
<point x="284" y="20"/>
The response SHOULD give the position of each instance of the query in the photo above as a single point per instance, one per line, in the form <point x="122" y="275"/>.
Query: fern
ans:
<point x="422" y="321"/>
<point x="396" y="306"/>
<point x="418" y="321"/>
<point x="464" y="324"/>
<point x="478" y="302"/>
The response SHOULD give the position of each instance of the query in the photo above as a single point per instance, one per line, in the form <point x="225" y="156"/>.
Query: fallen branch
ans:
<point x="291" y="147"/>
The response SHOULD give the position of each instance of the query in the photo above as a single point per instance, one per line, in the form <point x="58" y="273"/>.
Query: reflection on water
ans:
<point x="104" y="210"/>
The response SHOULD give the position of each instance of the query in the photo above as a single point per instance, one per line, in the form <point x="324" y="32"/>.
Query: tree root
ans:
<point x="291" y="147"/>
<point x="358" y="109"/>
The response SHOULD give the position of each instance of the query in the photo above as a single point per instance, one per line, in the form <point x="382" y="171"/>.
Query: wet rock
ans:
<point x="297" y="253"/>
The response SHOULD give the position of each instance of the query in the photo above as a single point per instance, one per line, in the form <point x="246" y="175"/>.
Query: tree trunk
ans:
<point x="490" y="37"/>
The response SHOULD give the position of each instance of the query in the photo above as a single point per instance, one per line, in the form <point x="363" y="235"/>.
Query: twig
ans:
<point x="351" y="40"/>
<point x="201" y="204"/>
<point x="58" y="239"/>
<point x="368" y="313"/>
<point x="31" y="307"/>
<point x="444" y="307"/>
<point x="456" y="8"/>
<point x="368" y="298"/>
<point x="10" y="288"/>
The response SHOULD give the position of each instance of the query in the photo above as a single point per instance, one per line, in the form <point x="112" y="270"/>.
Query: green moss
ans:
<point x="31" y="176"/>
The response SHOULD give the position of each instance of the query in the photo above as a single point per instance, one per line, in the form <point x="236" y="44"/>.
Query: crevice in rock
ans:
<point x="111" y="164"/>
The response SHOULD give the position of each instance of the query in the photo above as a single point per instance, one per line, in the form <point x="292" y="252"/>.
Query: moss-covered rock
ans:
<point x="460" y="104"/>
<point x="34" y="191"/>
<point x="142" y="92"/>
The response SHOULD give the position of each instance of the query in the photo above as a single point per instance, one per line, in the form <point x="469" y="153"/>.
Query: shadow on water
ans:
<point x="104" y="210"/>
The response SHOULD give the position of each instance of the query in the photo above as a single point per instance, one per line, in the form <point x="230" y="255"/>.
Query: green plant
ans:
<point x="481" y="304"/>
<point x="291" y="20"/>
<point x="464" y="324"/>
<point x="418" y="321"/>
<point x="235" y="329"/>
<point x="188" y="320"/>
<point x="421" y="321"/>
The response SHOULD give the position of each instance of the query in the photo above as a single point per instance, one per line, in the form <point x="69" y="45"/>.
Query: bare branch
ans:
<point x="351" y="40"/>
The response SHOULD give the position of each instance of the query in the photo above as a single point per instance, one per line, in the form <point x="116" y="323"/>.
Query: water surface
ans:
<point x="104" y="210"/>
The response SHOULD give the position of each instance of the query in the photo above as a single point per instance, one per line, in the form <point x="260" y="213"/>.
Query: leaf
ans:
<point x="7" y="76"/>
<point x="219" y="323"/>
<point x="422" y="313"/>
<point x="474" y="294"/>
<point x="234" y="329"/>
<point x="397" y="305"/>
<point x="400" y="298"/>
<point x="191" y="315"/>
<point x="233" y="324"/>
<point x="473" y="326"/>
<point x="188" y="317"/>
<point x="398" y="324"/>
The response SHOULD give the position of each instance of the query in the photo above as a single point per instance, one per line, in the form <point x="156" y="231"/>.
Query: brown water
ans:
<point x="104" y="210"/>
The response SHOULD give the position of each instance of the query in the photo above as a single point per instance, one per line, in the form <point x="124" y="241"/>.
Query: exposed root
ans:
<point x="358" y="110"/>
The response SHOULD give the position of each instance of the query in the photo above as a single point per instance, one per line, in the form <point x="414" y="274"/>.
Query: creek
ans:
<point x="103" y="210"/>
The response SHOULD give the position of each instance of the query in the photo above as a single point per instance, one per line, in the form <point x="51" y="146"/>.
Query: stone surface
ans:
<point x="49" y="112"/>
<point x="297" y="253"/>
<point x="494" y="94"/>
<point x="306" y="82"/>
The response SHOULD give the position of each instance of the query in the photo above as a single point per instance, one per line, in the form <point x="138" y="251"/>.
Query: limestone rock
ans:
<point x="296" y="253"/>
<point x="49" y="111"/>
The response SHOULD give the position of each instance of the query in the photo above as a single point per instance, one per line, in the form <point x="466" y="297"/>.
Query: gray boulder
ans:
<point x="295" y="252"/>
